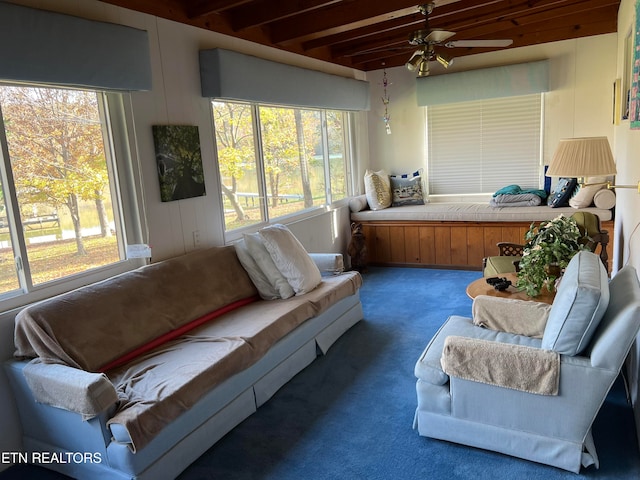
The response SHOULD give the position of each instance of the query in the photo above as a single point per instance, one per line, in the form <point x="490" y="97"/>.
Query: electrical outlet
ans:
<point x="196" y="238"/>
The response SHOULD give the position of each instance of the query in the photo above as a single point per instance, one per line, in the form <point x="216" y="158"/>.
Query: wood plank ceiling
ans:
<point x="372" y="34"/>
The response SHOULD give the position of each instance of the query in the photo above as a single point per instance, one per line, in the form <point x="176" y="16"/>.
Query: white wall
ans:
<point x="175" y="98"/>
<point x="627" y="151"/>
<point x="579" y="102"/>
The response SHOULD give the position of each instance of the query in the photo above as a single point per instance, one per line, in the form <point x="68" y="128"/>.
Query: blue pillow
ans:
<point x="562" y="192"/>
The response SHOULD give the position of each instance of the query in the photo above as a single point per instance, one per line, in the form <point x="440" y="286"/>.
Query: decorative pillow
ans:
<point x="579" y="304"/>
<point x="583" y="196"/>
<point x="377" y="188"/>
<point x="605" y="199"/>
<point x="263" y="259"/>
<point x="407" y="189"/>
<point x="358" y="203"/>
<point x="266" y="290"/>
<point x="562" y="192"/>
<point x="291" y="259"/>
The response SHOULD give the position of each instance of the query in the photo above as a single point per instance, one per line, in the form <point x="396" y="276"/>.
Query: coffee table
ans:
<point x="481" y="287"/>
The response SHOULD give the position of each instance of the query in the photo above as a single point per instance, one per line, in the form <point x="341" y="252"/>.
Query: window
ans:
<point x="479" y="147"/>
<point x="278" y="161"/>
<point x="59" y="205"/>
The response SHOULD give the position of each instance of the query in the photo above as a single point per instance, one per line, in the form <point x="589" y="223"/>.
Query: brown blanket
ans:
<point x="95" y="325"/>
<point x="164" y="383"/>
<point x="517" y="367"/>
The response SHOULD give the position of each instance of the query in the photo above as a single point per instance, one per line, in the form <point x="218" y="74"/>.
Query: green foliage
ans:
<point x="551" y="243"/>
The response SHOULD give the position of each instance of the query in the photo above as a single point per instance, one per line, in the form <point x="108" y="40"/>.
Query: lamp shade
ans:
<point x="582" y="157"/>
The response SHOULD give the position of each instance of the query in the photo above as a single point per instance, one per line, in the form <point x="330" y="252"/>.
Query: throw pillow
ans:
<point x="605" y="199"/>
<point x="407" y="189"/>
<point x="263" y="259"/>
<point x="291" y="258"/>
<point x="583" y="196"/>
<point x="579" y="305"/>
<point x="562" y="192"/>
<point x="358" y="203"/>
<point x="266" y="290"/>
<point x="377" y="188"/>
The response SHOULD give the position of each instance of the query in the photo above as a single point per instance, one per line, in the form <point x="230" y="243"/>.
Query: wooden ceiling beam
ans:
<point x="208" y="7"/>
<point x="339" y="18"/>
<point x="267" y="11"/>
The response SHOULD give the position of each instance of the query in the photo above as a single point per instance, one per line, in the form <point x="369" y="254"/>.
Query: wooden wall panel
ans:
<point x="459" y="254"/>
<point x="444" y="244"/>
<point x="427" y="245"/>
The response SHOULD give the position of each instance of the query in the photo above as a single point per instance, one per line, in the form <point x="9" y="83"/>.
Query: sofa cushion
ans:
<point x="262" y="257"/>
<point x="266" y="290"/>
<point x="291" y="258"/>
<point x="78" y="327"/>
<point x="578" y="307"/>
<point x="583" y="196"/>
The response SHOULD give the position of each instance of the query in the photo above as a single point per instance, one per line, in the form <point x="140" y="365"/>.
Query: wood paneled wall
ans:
<point x="460" y="245"/>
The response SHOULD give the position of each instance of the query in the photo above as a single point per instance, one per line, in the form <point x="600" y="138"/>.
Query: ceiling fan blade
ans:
<point x="437" y="36"/>
<point x="478" y="43"/>
<point x="427" y="37"/>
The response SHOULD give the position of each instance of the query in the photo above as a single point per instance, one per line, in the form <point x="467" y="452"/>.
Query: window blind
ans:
<point x="481" y="146"/>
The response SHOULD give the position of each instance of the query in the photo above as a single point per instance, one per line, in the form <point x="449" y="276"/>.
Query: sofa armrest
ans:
<point x="72" y="389"/>
<point x="328" y="263"/>
<point x="521" y="317"/>
<point x="517" y="367"/>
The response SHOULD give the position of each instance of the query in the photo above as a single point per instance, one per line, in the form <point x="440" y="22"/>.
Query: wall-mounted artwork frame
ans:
<point x="634" y="94"/>
<point x="179" y="161"/>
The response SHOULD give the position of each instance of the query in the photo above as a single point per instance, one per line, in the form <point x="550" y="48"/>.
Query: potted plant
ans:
<point x="547" y="251"/>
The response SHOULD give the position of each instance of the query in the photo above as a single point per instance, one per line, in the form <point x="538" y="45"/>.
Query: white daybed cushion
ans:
<point x="471" y="212"/>
<point x="291" y="258"/>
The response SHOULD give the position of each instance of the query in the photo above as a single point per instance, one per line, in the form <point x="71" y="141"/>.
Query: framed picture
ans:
<point x="634" y="94"/>
<point x="179" y="161"/>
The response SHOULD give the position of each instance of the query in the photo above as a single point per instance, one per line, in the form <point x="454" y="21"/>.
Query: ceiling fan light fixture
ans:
<point x="444" y="60"/>
<point x="423" y="70"/>
<point x="414" y="62"/>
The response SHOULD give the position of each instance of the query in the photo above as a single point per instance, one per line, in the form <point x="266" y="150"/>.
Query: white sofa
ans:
<point x="137" y="376"/>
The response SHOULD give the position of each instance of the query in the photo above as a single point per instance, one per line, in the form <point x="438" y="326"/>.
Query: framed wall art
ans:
<point x="179" y="161"/>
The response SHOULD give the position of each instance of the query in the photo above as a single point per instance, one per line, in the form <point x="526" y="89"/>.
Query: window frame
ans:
<point x="347" y="138"/>
<point x="116" y="114"/>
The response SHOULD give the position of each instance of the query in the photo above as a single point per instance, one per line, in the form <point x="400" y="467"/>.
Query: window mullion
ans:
<point x="262" y="177"/>
<point x="326" y="158"/>
<point x="16" y="232"/>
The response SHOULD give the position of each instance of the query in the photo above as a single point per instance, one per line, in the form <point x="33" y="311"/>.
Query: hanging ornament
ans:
<point x="385" y="101"/>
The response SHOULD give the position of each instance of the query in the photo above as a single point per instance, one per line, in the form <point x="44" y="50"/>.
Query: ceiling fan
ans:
<point x="427" y="39"/>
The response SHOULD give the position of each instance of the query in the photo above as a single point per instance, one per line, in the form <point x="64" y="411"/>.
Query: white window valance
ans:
<point x="233" y="76"/>
<point x="506" y="81"/>
<point x="47" y="47"/>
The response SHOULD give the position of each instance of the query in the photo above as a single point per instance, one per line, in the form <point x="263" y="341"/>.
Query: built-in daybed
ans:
<point x="451" y="235"/>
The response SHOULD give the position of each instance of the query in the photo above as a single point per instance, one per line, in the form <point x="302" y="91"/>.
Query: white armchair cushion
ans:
<point x="579" y="304"/>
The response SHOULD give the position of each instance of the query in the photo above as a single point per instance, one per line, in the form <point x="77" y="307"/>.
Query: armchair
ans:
<point x="532" y="396"/>
<point x="510" y="254"/>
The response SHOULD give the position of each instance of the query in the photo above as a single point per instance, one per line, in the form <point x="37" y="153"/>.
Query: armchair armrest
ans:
<point x="521" y="317"/>
<point x="328" y="263"/>
<point x="72" y="389"/>
<point x="516" y="367"/>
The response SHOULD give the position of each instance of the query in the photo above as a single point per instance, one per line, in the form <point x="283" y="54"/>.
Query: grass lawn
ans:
<point x="57" y="259"/>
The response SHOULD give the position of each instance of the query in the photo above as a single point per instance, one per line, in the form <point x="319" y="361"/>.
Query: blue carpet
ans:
<point x="349" y="414"/>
